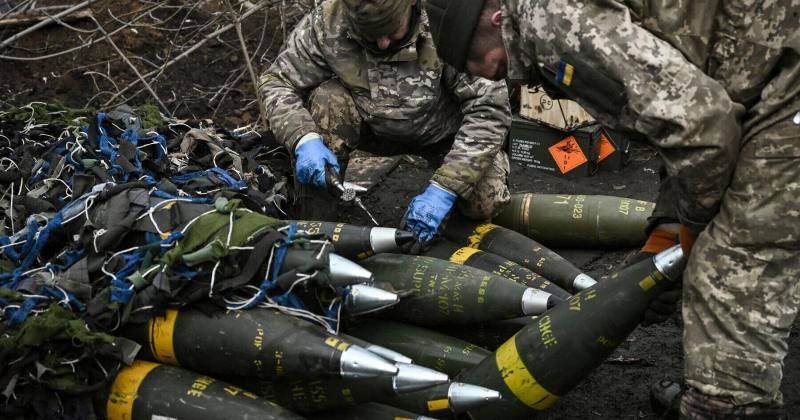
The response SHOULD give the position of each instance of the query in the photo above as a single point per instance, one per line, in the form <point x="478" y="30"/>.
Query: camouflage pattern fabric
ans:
<point x="630" y="79"/>
<point x="335" y="112"/>
<point x="741" y="294"/>
<point x="406" y="96"/>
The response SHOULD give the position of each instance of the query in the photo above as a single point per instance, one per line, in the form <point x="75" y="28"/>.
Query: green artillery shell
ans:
<point x="520" y="249"/>
<point x="489" y="335"/>
<point x="455" y="397"/>
<point x="427" y="348"/>
<point x="446" y="293"/>
<point x="325" y="394"/>
<point x="256" y="342"/>
<point x="495" y="264"/>
<point x="370" y="411"/>
<point x="547" y="359"/>
<point x="583" y="221"/>
<point x="149" y="391"/>
<point x="358" y="242"/>
<point x="304" y="396"/>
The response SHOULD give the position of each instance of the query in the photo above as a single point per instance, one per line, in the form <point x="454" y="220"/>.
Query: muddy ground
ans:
<point x="615" y="390"/>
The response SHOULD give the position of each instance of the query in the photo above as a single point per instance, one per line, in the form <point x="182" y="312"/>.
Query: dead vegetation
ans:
<point x="191" y="58"/>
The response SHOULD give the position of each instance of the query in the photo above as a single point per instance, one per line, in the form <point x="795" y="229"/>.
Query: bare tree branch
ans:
<point x="43" y="23"/>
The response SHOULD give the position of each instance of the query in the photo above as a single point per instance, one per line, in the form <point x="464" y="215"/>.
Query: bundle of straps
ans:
<point x="108" y="219"/>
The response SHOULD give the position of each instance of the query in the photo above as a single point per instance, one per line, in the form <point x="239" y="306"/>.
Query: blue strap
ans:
<point x="70" y="258"/>
<point x="121" y="289"/>
<point x="39" y="174"/>
<point x="107" y="147"/>
<point x="11" y="251"/>
<point x="19" y="315"/>
<point x="131" y="136"/>
<point x="269" y="284"/>
<point x="74" y="303"/>
<point x="33" y="253"/>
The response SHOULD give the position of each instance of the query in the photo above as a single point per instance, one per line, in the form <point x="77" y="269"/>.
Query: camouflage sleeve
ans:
<point x="628" y="77"/>
<point x="486" y="118"/>
<point x="301" y="66"/>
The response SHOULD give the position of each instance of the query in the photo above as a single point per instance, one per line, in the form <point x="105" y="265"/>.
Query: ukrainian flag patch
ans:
<point x="565" y="72"/>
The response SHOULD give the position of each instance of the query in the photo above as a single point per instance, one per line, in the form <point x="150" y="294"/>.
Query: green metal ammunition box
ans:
<point x="569" y="154"/>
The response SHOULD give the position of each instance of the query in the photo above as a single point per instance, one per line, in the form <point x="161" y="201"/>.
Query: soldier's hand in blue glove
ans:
<point x="311" y="156"/>
<point x="427" y="211"/>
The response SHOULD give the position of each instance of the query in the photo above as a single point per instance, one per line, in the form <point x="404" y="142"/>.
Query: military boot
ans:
<point x="697" y="406"/>
<point x="665" y="399"/>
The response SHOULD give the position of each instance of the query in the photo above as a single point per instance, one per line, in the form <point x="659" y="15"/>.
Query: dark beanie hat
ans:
<point x="452" y="25"/>
<point x="376" y="18"/>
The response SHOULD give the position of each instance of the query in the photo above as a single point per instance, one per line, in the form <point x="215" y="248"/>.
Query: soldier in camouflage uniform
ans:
<point x="682" y="72"/>
<point x="387" y="91"/>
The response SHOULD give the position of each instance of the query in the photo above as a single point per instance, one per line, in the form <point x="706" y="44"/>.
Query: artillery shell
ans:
<point x="327" y="394"/>
<point x="547" y="359"/>
<point x="582" y="221"/>
<point x="455" y="397"/>
<point x="147" y="391"/>
<point x="256" y="342"/>
<point x="520" y="249"/>
<point x="358" y="242"/>
<point x="494" y="264"/>
<point x="428" y="348"/>
<point x="444" y="293"/>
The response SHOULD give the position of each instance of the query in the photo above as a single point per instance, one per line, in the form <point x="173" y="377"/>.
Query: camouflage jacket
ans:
<point x="409" y="96"/>
<point x="751" y="47"/>
<point x="629" y="78"/>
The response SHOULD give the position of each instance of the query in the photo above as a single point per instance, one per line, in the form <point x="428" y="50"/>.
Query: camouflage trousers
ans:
<point x="344" y="129"/>
<point x="742" y="283"/>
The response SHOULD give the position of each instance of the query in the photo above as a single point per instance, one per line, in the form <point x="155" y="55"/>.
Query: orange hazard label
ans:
<point x="606" y="148"/>
<point x="567" y="154"/>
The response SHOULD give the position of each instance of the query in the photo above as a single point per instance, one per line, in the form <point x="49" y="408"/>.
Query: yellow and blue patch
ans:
<point x="565" y="73"/>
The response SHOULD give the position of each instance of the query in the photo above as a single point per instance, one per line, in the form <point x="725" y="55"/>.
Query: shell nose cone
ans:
<point x="357" y="362"/>
<point x="364" y="299"/>
<point x="388" y="239"/>
<point x="582" y="282"/>
<point x="345" y="272"/>
<point x="535" y="301"/>
<point x="670" y="262"/>
<point x="414" y="378"/>
<point x="464" y="397"/>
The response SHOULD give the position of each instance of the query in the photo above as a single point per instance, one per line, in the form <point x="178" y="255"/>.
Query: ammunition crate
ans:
<point x="569" y="154"/>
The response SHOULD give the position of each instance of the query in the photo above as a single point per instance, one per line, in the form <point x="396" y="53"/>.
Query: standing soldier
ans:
<point x="682" y="73"/>
<point x="377" y="84"/>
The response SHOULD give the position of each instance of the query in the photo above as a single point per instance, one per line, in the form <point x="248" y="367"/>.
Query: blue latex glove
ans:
<point x="310" y="160"/>
<point x="427" y="211"/>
